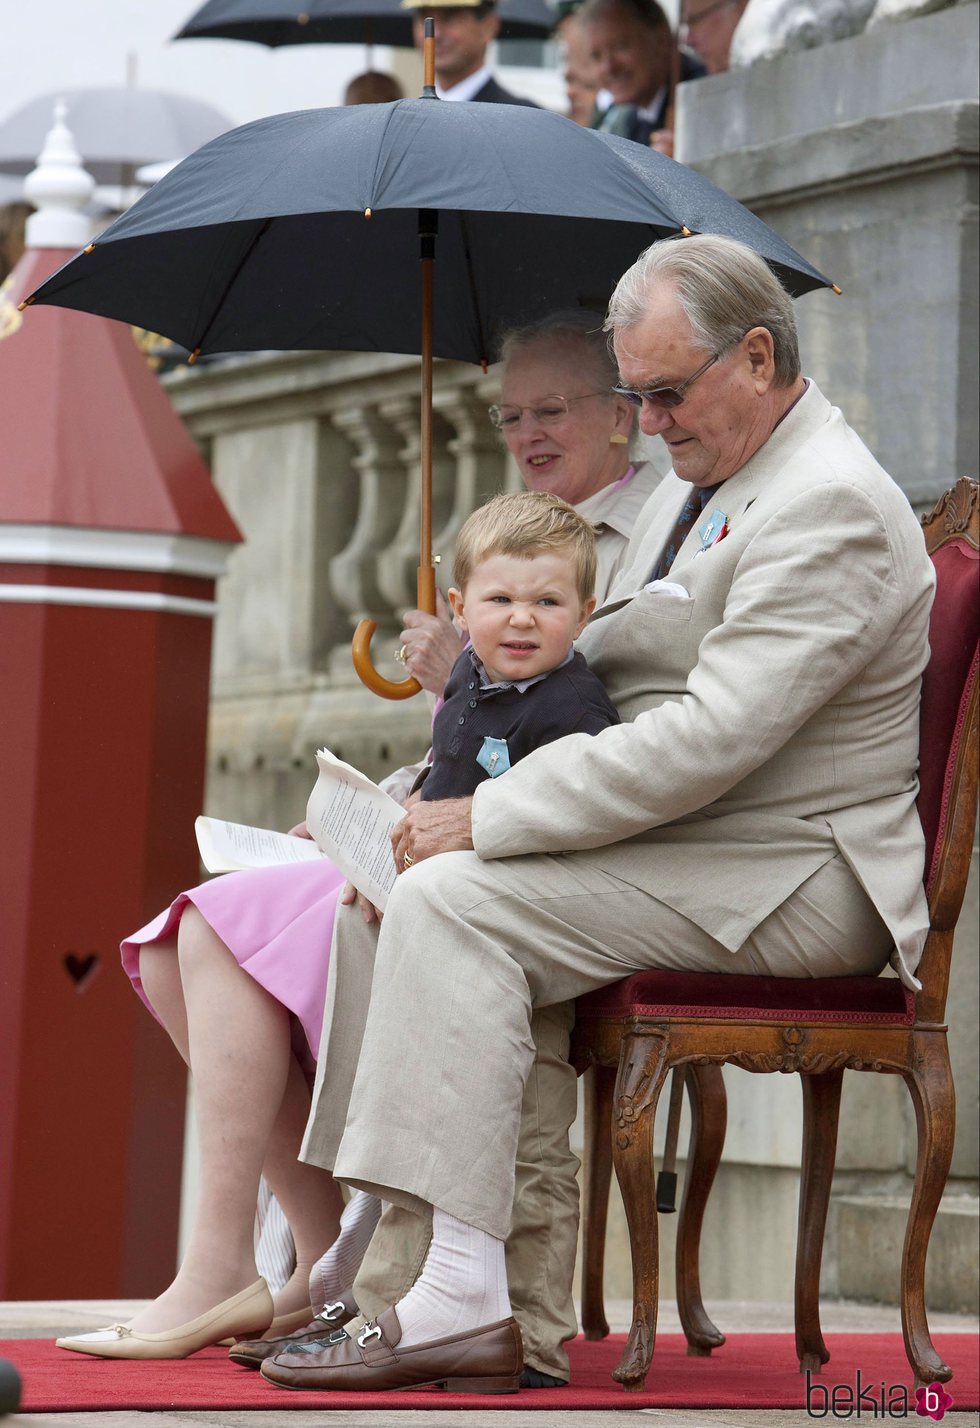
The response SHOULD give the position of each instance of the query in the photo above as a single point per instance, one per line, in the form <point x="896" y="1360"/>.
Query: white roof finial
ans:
<point x="59" y="187"/>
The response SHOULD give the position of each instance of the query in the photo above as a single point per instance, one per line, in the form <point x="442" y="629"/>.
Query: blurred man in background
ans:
<point x="708" y="26"/>
<point x="463" y="30"/>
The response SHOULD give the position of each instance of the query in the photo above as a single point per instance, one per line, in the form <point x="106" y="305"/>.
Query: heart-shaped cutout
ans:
<point x="81" y="969"/>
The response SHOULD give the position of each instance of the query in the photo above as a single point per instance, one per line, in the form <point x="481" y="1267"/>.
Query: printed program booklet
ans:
<point x="349" y="819"/>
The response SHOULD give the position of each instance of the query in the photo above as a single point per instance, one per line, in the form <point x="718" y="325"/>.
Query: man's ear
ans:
<point x="759" y="347"/>
<point x="587" y="609"/>
<point x="456" y="605"/>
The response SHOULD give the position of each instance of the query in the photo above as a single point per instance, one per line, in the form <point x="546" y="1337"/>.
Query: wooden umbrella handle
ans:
<point x="361" y="645"/>
<point x="366" y="672"/>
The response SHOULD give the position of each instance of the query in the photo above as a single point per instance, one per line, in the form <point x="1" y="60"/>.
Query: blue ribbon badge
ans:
<point x="713" y="529"/>
<point x="494" y="756"/>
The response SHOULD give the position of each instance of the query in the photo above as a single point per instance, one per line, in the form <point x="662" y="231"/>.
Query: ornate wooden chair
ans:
<point x="632" y="1033"/>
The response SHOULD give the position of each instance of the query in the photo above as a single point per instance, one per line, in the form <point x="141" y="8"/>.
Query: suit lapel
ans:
<point x="733" y="496"/>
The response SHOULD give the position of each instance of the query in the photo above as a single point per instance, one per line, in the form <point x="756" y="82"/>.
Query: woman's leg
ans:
<point x="251" y="1101"/>
<point x="310" y="1197"/>
<point x="160" y="975"/>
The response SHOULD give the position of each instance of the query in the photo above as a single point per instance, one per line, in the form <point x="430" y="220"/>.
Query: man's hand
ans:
<point x="662" y="142"/>
<point x="431" y="645"/>
<point x="300" y="831"/>
<point x="443" y="826"/>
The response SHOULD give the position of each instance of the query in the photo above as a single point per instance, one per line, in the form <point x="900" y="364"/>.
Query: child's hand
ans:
<point x="369" y="912"/>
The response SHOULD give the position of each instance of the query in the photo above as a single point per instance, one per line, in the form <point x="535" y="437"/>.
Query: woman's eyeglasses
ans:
<point x="665" y="397"/>
<point x="548" y="412"/>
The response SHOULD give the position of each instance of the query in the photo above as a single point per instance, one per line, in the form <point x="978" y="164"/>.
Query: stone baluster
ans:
<point x="480" y="462"/>
<point x="398" y="563"/>
<point x="381" y="479"/>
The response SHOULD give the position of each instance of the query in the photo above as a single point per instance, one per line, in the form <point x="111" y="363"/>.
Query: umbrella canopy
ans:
<point x="304" y="231"/>
<point x="116" y="129"/>
<point x="339" y="22"/>
<point x="261" y="240"/>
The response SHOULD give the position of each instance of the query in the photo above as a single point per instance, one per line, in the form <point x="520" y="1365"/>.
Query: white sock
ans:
<point x="334" y="1273"/>
<point x="463" y="1284"/>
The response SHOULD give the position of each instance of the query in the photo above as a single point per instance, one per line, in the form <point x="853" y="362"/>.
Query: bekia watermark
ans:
<point x="870" y="1400"/>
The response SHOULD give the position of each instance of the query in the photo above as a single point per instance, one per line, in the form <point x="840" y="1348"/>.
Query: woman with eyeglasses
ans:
<point x="569" y="434"/>
<point x="235" y="970"/>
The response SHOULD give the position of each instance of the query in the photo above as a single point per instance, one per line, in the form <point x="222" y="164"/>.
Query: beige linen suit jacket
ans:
<point x="772" y="710"/>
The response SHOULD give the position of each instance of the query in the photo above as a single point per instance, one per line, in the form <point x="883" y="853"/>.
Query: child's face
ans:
<point x="522" y="614"/>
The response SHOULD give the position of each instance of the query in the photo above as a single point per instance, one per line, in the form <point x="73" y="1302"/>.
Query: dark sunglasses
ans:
<point x="665" y="397"/>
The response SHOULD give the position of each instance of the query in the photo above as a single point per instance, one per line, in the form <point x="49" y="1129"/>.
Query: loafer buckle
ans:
<point x="370" y="1331"/>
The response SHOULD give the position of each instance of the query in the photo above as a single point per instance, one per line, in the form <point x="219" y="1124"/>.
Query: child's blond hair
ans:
<point x="527" y="523"/>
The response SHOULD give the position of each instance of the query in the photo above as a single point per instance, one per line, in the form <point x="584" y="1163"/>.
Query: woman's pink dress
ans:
<point x="278" y="923"/>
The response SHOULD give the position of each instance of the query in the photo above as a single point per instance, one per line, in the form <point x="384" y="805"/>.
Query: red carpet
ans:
<point x="750" y="1371"/>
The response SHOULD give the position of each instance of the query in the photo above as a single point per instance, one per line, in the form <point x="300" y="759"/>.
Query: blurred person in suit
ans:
<point x="708" y="27"/>
<point x="638" y="64"/>
<point x="578" y="68"/>
<point x="463" y="31"/>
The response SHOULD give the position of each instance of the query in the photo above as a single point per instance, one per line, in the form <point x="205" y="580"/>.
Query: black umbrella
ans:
<point x="338" y="22"/>
<point x="303" y="230"/>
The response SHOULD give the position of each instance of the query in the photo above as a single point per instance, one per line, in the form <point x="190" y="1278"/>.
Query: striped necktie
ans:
<point x="690" y="511"/>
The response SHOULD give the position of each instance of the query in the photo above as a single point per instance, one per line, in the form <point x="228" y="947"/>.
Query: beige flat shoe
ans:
<point x="247" y="1313"/>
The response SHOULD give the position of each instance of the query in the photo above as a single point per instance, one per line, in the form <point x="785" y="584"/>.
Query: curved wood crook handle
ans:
<point x="366" y="672"/>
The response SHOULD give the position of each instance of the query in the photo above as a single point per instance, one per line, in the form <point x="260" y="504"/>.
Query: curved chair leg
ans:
<point x="709" y="1117"/>
<point x="599" y="1083"/>
<point x="642" y="1069"/>
<point x="930" y="1083"/>
<point x="821" y="1113"/>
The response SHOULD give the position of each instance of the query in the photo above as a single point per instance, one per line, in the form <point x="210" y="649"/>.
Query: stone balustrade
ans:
<point x="317" y="454"/>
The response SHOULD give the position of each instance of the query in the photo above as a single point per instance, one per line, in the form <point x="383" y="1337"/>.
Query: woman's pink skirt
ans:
<point x="277" y="922"/>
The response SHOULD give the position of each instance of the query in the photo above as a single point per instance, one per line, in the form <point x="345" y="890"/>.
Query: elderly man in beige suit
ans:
<point x="755" y="813"/>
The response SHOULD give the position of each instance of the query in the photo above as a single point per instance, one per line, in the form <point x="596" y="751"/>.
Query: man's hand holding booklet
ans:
<point x="349" y="820"/>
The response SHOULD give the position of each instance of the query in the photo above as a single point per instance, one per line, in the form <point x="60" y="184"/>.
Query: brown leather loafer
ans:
<point x="250" y="1353"/>
<point x="485" y="1360"/>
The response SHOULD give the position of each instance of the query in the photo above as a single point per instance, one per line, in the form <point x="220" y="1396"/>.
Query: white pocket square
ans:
<point x="667" y="587"/>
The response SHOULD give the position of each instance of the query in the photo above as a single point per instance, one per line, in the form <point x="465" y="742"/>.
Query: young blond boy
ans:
<point x="524" y="579"/>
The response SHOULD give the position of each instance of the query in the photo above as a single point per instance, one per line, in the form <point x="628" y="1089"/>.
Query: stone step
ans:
<point x="869" y="1231"/>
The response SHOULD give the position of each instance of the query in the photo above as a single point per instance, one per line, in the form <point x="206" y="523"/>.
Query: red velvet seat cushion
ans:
<point x="953" y="631"/>
<point x="857" y="1000"/>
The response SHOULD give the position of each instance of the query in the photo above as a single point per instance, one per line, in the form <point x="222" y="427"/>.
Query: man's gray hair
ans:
<point x="575" y="325"/>
<point x="724" y="288"/>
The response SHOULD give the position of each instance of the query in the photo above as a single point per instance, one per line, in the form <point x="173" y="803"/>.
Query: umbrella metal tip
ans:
<point x="367" y="213"/>
<point x="685" y="231"/>
<point x="90" y="248"/>
<point x="26" y="303"/>
<point x="835" y="289"/>
<point x="192" y="358"/>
